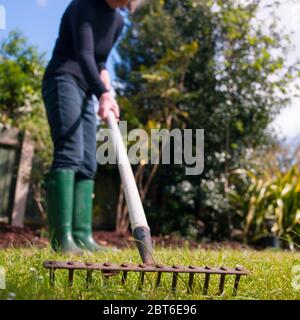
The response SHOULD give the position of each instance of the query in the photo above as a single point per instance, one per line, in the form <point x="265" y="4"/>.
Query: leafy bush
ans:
<point x="21" y="105"/>
<point x="269" y="198"/>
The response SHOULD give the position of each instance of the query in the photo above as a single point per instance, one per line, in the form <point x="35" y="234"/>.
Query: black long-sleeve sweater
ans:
<point x="88" y="31"/>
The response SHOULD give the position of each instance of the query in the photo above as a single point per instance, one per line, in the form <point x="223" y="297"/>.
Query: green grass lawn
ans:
<point x="271" y="275"/>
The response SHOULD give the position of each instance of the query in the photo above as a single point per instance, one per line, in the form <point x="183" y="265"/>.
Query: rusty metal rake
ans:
<point x="108" y="270"/>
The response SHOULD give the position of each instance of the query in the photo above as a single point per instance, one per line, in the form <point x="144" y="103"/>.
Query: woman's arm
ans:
<point x="107" y="101"/>
<point x="105" y="78"/>
<point x="83" y="37"/>
<point x="84" y="47"/>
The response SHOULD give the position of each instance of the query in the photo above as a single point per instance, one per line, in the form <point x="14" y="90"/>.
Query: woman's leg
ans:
<point x="88" y="166"/>
<point x="84" y="182"/>
<point x="63" y="100"/>
<point x="60" y="194"/>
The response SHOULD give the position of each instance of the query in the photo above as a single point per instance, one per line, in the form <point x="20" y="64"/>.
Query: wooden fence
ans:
<point x="16" y="154"/>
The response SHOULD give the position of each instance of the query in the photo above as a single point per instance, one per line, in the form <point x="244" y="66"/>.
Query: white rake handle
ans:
<point x="135" y="208"/>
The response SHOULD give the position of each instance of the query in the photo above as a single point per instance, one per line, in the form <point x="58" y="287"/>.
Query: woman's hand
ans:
<point x="108" y="103"/>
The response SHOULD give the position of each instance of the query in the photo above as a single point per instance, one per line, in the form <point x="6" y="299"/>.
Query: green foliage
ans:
<point x="211" y="65"/>
<point x="270" y="198"/>
<point x="21" y="106"/>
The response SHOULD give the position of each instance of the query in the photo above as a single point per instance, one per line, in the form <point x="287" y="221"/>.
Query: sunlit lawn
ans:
<point x="271" y="275"/>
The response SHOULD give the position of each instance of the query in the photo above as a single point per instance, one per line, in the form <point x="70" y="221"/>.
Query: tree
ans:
<point x="21" y="105"/>
<point x="165" y="85"/>
<point x="232" y="86"/>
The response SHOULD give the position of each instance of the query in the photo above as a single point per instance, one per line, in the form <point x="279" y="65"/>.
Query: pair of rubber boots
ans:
<point x="69" y="208"/>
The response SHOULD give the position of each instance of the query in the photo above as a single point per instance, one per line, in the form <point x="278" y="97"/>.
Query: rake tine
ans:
<point x="236" y="284"/>
<point x="159" y="273"/>
<point x="52" y="277"/>
<point x="124" y="277"/>
<point x="108" y="270"/>
<point x="175" y="277"/>
<point x="141" y="280"/>
<point x="222" y="282"/>
<point x="71" y="275"/>
<point x="158" y="279"/>
<point x="174" y="281"/>
<point x="124" y="273"/>
<point x="191" y="280"/>
<point x="206" y="284"/>
<point x="88" y="278"/>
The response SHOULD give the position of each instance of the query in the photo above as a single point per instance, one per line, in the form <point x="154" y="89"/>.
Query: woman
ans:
<point x="88" y="31"/>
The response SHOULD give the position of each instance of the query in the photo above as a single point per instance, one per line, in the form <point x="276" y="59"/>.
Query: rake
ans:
<point x="108" y="270"/>
<point x="142" y="236"/>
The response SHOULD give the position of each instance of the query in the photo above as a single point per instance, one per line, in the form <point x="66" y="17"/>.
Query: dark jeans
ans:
<point x="71" y="116"/>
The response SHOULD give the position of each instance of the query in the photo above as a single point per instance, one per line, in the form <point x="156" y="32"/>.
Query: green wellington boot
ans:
<point x="83" y="216"/>
<point x="60" y="194"/>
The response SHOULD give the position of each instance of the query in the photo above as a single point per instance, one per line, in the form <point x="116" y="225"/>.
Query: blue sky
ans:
<point x="39" y="20"/>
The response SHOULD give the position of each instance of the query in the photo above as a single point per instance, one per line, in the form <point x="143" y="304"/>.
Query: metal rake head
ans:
<point x="108" y="270"/>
